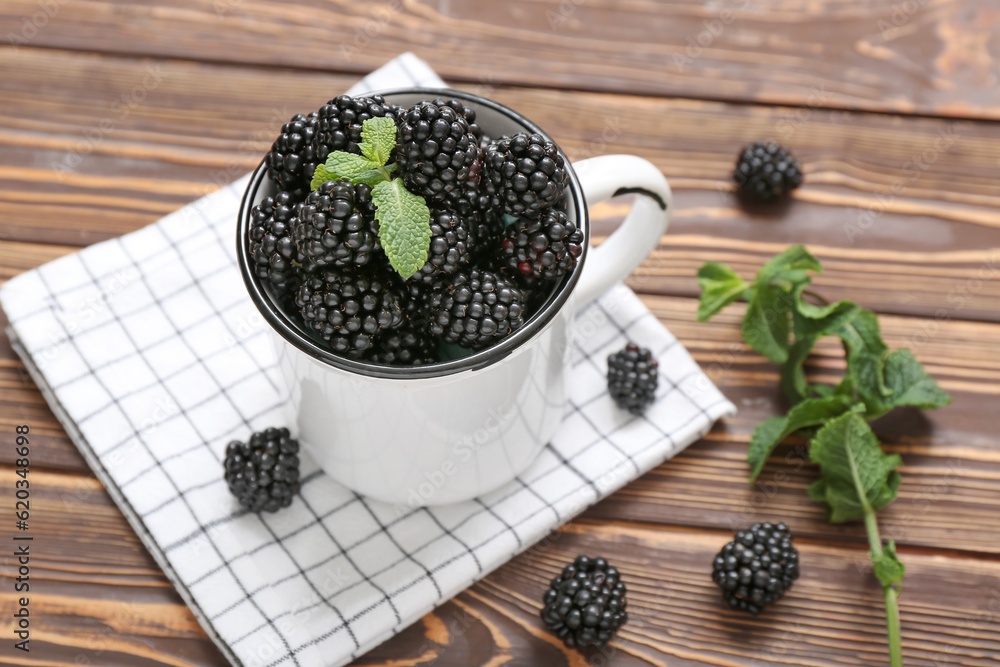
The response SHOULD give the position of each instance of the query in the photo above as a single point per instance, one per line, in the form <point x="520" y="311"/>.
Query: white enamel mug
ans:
<point x="458" y="429"/>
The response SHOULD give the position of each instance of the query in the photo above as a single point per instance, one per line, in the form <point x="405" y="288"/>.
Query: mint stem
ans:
<point x="892" y="623"/>
<point x="818" y="297"/>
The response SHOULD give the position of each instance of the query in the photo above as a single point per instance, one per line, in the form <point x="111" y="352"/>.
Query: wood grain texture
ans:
<point x="100" y="600"/>
<point x="145" y="106"/>
<point x="904" y="212"/>
<point x="926" y="56"/>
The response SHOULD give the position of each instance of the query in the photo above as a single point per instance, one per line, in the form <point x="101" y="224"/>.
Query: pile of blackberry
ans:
<point x="501" y="240"/>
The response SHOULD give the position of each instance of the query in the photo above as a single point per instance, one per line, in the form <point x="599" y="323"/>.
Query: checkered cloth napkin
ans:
<point x="152" y="356"/>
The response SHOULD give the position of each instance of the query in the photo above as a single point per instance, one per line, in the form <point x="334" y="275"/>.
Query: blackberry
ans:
<point x="528" y="172"/>
<point x="474" y="198"/>
<point x="263" y="473"/>
<point x="436" y="151"/>
<point x="409" y="345"/>
<point x="487" y="238"/>
<point x="450" y="244"/>
<point x="271" y="245"/>
<point x="585" y="605"/>
<point x="545" y="247"/>
<point x="474" y="308"/>
<point x="336" y="226"/>
<point x="757" y="567"/>
<point x="632" y="378"/>
<point x="481" y="207"/>
<point x="292" y="158"/>
<point x="468" y="113"/>
<point x="340" y="121"/>
<point x="766" y="170"/>
<point x="349" y="309"/>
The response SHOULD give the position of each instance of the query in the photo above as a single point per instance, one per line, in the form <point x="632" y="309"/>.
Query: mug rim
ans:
<point x="291" y="332"/>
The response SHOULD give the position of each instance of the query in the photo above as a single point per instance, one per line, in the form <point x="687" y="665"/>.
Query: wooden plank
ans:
<point x="97" y="594"/>
<point x="919" y="57"/>
<point x="899" y="232"/>
<point x="20" y="400"/>
<point x="96" y="597"/>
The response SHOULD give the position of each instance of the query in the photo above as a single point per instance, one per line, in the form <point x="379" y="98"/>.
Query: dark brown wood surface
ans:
<point x="895" y="124"/>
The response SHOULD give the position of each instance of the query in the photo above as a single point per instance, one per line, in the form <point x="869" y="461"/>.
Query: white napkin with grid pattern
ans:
<point x="152" y="356"/>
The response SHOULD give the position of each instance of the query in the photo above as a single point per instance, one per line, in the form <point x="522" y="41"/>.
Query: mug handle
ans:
<point x="639" y="234"/>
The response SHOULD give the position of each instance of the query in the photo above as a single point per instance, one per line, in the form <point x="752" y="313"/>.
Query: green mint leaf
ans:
<point x="373" y="177"/>
<point x="810" y="323"/>
<point x="822" y="390"/>
<point x="766" y="324"/>
<point x="767" y="436"/>
<point x="378" y="138"/>
<point x="404" y="226"/>
<point x="856" y="477"/>
<point x="909" y="384"/>
<point x="353" y="168"/>
<point x="321" y="176"/>
<point x="813" y="320"/>
<point x="887" y="567"/>
<point x="789" y="268"/>
<point x="793" y="375"/>
<point x="720" y="286"/>
<point x="842" y="314"/>
<point x="866" y="354"/>
<point x="846" y="388"/>
<point x="813" y="311"/>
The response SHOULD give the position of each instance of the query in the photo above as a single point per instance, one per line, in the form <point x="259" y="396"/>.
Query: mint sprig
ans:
<point x="856" y="480"/>
<point x="783" y="322"/>
<point x="404" y="219"/>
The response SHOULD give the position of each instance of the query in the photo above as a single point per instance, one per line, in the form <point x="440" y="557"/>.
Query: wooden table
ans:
<point x="114" y="114"/>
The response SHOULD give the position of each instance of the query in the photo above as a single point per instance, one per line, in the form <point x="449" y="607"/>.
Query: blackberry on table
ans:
<point x="765" y="170"/>
<point x="436" y="151"/>
<point x="451" y="241"/>
<point x="586" y="604"/>
<point x="349" y="309"/>
<point x="758" y="567"/>
<point x="336" y="226"/>
<point x="340" y="121"/>
<point x="545" y="247"/>
<point x="263" y="473"/>
<point x="474" y="308"/>
<point x="633" y="375"/>
<point x="528" y="173"/>
<point x="292" y="158"/>
<point x="275" y="255"/>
